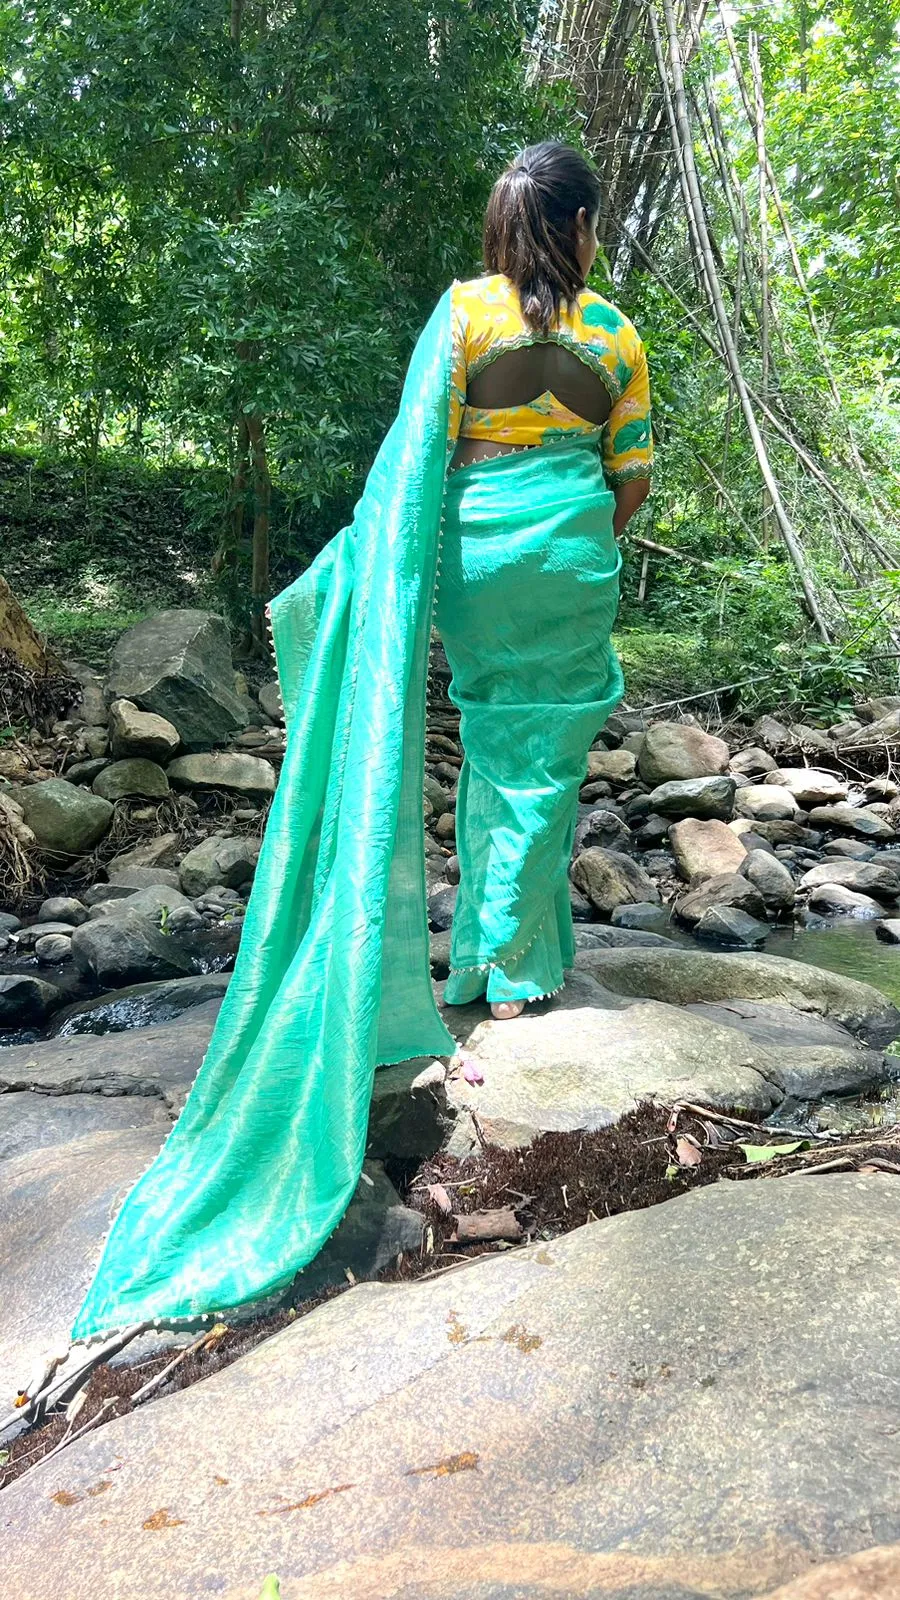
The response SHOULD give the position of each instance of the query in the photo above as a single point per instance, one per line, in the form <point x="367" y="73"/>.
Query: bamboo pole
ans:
<point x="763" y="219"/>
<point x="684" y="140"/>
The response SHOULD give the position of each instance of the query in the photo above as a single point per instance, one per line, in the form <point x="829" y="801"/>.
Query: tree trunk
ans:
<point x="19" y="637"/>
<point x="262" y="498"/>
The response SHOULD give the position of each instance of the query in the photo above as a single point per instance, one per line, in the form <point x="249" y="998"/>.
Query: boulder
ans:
<point x="39" y="1121"/>
<point x="599" y="936"/>
<point x="25" y="999"/>
<point x="441" y="905"/>
<point x="850" y="849"/>
<point x="771" y="877"/>
<point x="868" y="1575"/>
<point x="158" y="1062"/>
<point x="269" y="697"/>
<point x="600" y="1410"/>
<point x="652" y="832"/>
<point x="833" y="900"/>
<point x="161" y="851"/>
<point x="728" y="925"/>
<point x="85" y="772"/>
<point x="375" y="1229"/>
<point x="609" y="879"/>
<point x="705" y="849"/>
<point x="786" y="832"/>
<point x="611" y="766"/>
<point x="683" y="977"/>
<point x="882" y="789"/>
<point x="131" y="779"/>
<point x="155" y="901"/>
<point x="864" y="876"/>
<point x="53" y="949"/>
<point x="177" y="664"/>
<point x="770" y="734"/>
<point x="135" y="878"/>
<point x="140" y="1005"/>
<point x="676" y="750"/>
<point x="66" y="821"/>
<point x="140" y="733"/>
<point x="127" y="948"/>
<point x="218" y="769"/>
<point x="807" y="738"/>
<point x="766" y="802"/>
<point x="436" y="794"/>
<point x="645" y="916"/>
<point x="694" y="797"/>
<point x="810" y="786"/>
<point x="752" y="763"/>
<point x="56" y="1206"/>
<point x="219" y="860"/>
<point x="886" y="731"/>
<point x="603" y="830"/>
<point x="852" y="819"/>
<point x="62" y="908"/>
<point x="729" y="889"/>
<point x="889" y="930"/>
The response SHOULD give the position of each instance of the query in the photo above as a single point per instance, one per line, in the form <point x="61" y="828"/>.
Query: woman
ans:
<point x="332" y="977"/>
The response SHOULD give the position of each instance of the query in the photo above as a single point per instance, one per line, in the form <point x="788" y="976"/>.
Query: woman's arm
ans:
<point x="629" y="499"/>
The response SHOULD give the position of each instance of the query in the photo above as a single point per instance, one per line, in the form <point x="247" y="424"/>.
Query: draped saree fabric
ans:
<point x="333" y="975"/>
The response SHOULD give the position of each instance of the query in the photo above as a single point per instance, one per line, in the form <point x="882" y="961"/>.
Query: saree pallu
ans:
<point x="527" y="597"/>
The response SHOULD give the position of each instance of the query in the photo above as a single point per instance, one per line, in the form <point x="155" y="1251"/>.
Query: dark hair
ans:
<point x="529" y="227"/>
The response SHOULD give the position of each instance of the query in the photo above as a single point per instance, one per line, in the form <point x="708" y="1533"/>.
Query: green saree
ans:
<point x="332" y="977"/>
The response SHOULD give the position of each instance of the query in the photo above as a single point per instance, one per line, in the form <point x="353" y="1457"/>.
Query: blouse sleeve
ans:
<point x="457" y="374"/>
<point x="628" y="437"/>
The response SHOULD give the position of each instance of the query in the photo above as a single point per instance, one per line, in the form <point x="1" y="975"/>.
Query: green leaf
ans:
<point x="768" y="1152"/>
<point x="271" y="1589"/>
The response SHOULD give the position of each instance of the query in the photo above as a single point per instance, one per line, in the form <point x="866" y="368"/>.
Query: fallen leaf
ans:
<point x="161" y="1519"/>
<point x="472" y="1071"/>
<point x="687" y="1153"/>
<point x="768" y="1152"/>
<point x="271" y="1589"/>
<point x="441" y="1198"/>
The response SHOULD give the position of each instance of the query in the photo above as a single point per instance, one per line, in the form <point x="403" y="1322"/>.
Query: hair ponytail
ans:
<point x="530" y="230"/>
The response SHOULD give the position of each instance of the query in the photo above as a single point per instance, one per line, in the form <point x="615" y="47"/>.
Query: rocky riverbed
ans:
<point x="745" y="1313"/>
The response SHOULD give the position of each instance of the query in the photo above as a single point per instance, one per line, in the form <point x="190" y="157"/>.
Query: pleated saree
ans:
<point x="332" y="977"/>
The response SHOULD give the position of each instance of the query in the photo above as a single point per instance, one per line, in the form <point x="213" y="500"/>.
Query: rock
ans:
<point x="93" y="742"/>
<point x="621" y="723"/>
<point x="852" y="819"/>
<point x="141" y="1005"/>
<point x="766" y="802"/>
<point x="652" y="832"/>
<point x="445" y="827"/>
<point x="178" y="665"/>
<point x="221" y="770"/>
<point x="599" y="936"/>
<point x="882" y="789"/>
<point x="644" y="915"/>
<point x="157" y="901"/>
<point x="8" y="922"/>
<point x="851" y="849"/>
<point x="729" y="889"/>
<point x="786" y="833"/>
<point x="157" y="1062"/>
<point x="66" y="821"/>
<point x="375" y="1230"/>
<point x="601" y="830"/>
<point x="728" y="925"/>
<point x="589" y="792"/>
<point x="752" y="763"/>
<point x="493" y="1374"/>
<point x="695" y="797"/>
<point x="633" y="742"/>
<point x="38" y="1121"/>
<point x="140" y="733"/>
<point x="808" y="738"/>
<point x="675" y="750"/>
<point x="135" y="878"/>
<point x="99" y="892"/>
<point x="840" y="732"/>
<point x="225" y="861"/>
<point x="408" y="1114"/>
<point x="85" y="771"/>
<point x="127" y="948"/>
<point x="25" y="999"/>
<point x="864" y="876"/>
<point x="53" y="949"/>
<point x="876" y="709"/>
<point x="682" y="977"/>
<point x="833" y="900"/>
<point x="609" y="879"/>
<point x="135" y="778"/>
<point x="705" y="849"/>
<point x="441" y="905"/>
<point x="159" y="852"/>
<point x="57" y="1204"/>
<point x="771" y="878"/>
<point x="889" y="930"/>
<point x="611" y="766"/>
<point x="810" y="786"/>
<point x="770" y="734"/>
<point x="886" y="731"/>
<point x="437" y="794"/>
<point x="869" y="1575"/>
<point x="62" y="908"/>
<point x="27" y="938"/>
<point x="269" y="697"/>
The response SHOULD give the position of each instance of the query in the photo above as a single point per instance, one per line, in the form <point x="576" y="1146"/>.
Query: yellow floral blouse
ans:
<point x="487" y="320"/>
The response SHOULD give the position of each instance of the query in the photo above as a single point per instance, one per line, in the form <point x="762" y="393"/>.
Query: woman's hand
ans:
<point x="629" y="499"/>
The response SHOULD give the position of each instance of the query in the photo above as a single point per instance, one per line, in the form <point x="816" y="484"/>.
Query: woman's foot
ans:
<point x="505" y="1010"/>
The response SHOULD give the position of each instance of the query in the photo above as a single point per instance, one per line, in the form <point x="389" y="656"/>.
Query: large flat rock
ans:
<point x="56" y="1206"/>
<point x="161" y="1061"/>
<point x="684" y="977"/>
<point x="702" y="1399"/>
<point x="37" y="1121"/>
